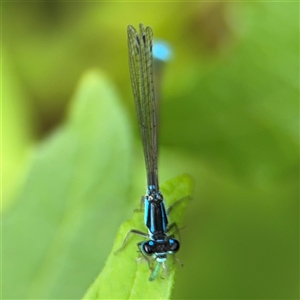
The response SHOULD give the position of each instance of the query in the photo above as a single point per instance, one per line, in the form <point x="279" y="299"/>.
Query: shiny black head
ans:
<point x="159" y="249"/>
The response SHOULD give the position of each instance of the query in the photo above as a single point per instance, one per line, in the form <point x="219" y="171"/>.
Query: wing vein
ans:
<point x="141" y="73"/>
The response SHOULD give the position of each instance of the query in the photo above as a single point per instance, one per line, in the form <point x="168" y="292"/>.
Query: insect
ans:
<point x="159" y="243"/>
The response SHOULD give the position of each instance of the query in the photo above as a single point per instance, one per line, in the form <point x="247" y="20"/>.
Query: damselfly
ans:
<point x="159" y="244"/>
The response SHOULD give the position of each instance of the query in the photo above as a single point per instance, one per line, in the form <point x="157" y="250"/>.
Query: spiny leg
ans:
<point x="141" y="209"/>
<point x="134" y="231"/>
<point x="165" y="270"/>
<point x="144" y="256"/>
<point x="179" y="261"/>
<point x="174" y="225"/>
<point x="177" y="203"/>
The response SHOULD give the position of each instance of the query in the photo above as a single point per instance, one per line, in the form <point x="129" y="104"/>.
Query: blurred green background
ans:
<point x="229" y="117"/>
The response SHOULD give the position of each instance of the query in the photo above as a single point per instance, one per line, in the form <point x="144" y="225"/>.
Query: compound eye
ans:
<point x="173" y="245"/>
<point x="148" y="247"/>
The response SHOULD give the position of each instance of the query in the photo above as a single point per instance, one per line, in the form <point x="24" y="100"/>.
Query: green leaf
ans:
<point x="17" y="125"/>
<point x="125" y="278"/>
<point x="56" y="236"/>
